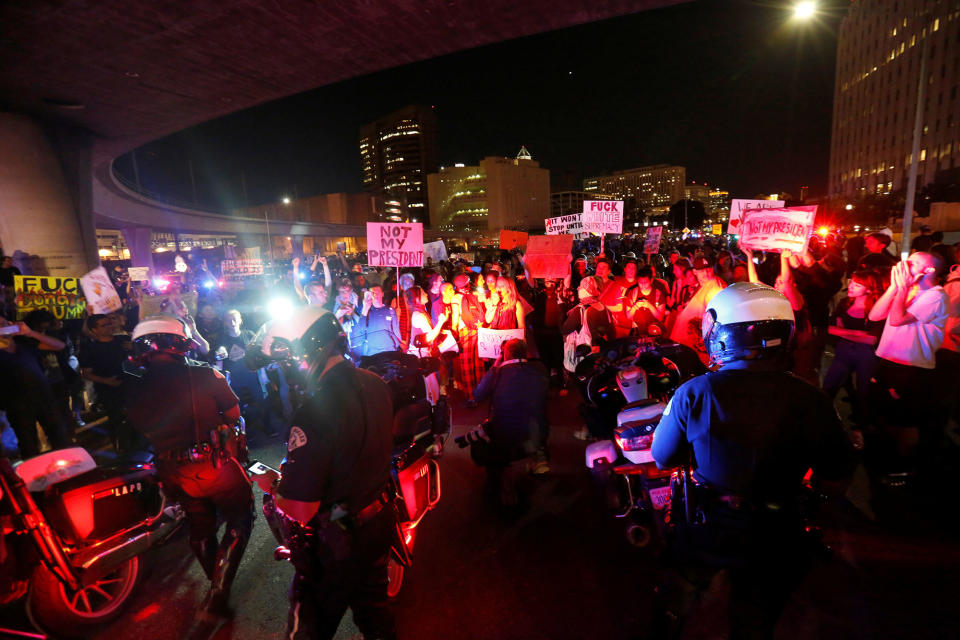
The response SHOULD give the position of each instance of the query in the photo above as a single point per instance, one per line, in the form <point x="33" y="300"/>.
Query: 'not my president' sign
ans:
<point x="395" y="244"/>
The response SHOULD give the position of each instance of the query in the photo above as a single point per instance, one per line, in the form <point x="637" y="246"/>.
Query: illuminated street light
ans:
<point x="849" y="207"/>
<point x="804" y="10"/>
<point x="286" y="200"/>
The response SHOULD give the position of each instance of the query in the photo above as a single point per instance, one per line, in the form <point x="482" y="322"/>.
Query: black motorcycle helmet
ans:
<point x="303" y="341"/>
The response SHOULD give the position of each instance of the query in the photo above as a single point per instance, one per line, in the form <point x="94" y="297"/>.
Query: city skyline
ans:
<point x="663" y="86"/>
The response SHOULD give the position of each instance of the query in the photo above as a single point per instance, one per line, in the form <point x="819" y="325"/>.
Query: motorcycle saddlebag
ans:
<point x="101" y="502"/>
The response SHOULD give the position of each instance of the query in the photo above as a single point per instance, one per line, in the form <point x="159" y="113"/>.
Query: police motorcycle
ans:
<point x="627" y="385"/>
<point x="71" y="533"/>
<point x="422" y="422"/>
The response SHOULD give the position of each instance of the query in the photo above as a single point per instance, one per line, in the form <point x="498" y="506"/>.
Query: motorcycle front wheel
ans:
<point x="394" y="577"/>
<point x="63" y="612"/>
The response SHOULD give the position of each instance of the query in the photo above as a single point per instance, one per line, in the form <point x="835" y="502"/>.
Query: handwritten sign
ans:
<point x="60" y="296"/>
<point x="173" y="304"/>
<point x="603" y="216"/>
<point x="139" y="274"/>
<point x="489" y="341"/>
<point x="512" y="239"/>
<point x="99" y="291"/>
<point x="777" y="229"/>
<point x="572" y="224"/>
<point x="435" y="251"/>
<point x="651" y="244"/>
<point x="737" y="207"/>
<point x="241" y="267"/>
<point x="395" y="244"/>
<point x="548" y="256"/>
<point x="717" y="229"/>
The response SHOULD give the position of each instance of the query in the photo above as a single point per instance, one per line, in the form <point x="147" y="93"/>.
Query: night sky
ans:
<point x="737" y="92"/>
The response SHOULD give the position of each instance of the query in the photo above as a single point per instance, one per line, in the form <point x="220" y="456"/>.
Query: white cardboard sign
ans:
<point x="395" y="244"/>
<point x="490" y="340"/>
<point x="99" y="291"/>
<point x="561" y="225"/>
<point x="436" y="251"/>
<point x="651" y="244"/>
<point x="138" y="274"/>
<point x="603" y="216"/>
<point x="738" y="206"/>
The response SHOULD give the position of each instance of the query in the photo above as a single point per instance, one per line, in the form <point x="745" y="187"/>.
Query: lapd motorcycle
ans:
<point x="627" y="386"/>
<point x="71" y="533"/>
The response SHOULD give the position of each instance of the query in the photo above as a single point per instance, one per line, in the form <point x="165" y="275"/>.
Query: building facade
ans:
<point x="397" y="152"/>
<point x="499" y="193"/>
<point x="881" y="43"/>
<point x="648" y="189"/>
<point x="332" y="208"/>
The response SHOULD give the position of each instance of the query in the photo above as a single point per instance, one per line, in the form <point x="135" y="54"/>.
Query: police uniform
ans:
<point x="177" y="420"/>
<point x="339" y="454"/>
<point x="753" y="431"/>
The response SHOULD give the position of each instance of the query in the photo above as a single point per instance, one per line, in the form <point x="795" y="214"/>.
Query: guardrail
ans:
<point x="157" y="196"/>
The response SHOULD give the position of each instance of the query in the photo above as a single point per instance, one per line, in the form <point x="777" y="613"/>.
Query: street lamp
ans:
<point x="286" y="200"/>
<point x="804" y="10"/>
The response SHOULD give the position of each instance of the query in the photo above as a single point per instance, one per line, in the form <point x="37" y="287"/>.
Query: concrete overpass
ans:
<point x="81" y="84"/>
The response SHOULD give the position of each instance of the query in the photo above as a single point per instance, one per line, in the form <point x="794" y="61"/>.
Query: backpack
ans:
<point x="573" y="340"/>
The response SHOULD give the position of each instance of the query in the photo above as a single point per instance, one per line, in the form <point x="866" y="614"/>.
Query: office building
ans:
<point x="718" y="205"/>
<point x="881" y="43"/>
<point x="650" y="190"/>
<point x="396" y="153"/>
<point x="499" y="193"/>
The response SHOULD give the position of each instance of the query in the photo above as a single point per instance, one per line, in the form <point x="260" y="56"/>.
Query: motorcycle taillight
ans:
<point x="638" y="443"/>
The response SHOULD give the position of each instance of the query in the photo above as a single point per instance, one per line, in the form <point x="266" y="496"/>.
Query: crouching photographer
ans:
<point x="517" y="423"/>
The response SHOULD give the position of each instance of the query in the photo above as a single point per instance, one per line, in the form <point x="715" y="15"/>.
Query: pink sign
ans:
<point x="395" y="244"/>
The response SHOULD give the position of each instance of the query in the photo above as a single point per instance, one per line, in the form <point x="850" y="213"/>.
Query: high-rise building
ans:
<point x="698" y="192"/>
<point x="650" y="189"/>
<point x="879" y="53"/>
<point x="719" y="204"/>
<point x="396" y="153"/>
<point x="499" y="193"/>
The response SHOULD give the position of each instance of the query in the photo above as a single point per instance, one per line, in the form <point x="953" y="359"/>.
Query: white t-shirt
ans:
<point x="916" y="344"/>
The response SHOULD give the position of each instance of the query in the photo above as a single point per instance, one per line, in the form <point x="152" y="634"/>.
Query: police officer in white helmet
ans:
<point x="748" y="432"/>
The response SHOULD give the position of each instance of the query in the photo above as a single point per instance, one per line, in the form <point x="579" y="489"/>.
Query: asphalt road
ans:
<point x="563" y="568"/>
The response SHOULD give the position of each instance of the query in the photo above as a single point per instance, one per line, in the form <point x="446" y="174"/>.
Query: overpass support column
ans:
<point x="46" y="201"/>
<point x="138" y="240"/>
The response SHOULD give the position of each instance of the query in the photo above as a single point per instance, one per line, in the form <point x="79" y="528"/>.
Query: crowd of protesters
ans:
<point x="893" y="327"/>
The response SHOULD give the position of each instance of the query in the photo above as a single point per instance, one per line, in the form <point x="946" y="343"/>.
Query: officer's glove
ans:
<point x="477" y="434"/>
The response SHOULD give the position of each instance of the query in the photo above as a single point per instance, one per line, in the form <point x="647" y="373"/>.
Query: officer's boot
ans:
<point x="206" y="552"/>
<point x="228" y="561"/>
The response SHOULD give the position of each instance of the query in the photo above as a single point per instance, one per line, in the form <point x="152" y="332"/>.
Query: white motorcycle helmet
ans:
<point x="161" y="334"/>
<point x="747" y="321"/>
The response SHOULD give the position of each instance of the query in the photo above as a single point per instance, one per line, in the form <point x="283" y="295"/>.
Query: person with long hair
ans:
<point x="857" y="338"/>
<point x="420" y="325"/>
<point x="503" y="308"/>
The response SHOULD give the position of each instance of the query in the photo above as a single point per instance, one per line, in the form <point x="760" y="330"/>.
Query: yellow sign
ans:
<point x="60" y="296"/>
<point x="718" y="229"/>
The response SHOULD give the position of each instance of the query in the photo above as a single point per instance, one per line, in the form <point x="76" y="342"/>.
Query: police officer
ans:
<point x="178" y="406"/>
<point x="749" y="432"/>
<point x="334" y="481"/>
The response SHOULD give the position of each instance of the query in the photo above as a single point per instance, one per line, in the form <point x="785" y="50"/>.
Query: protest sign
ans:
<point x="395" y="244"/>
<point x="138" y="274"/>
<point x="548" y="256"/>
<point x="717" y="229"/>
<point x="651" y="244"/>
<point x="99" y="291"/>
<point x="512" y="239"/>
<point x="172" y="304"/>
<point x="571" y="224"/>
<point x="435" y="251"/>
<point x="738" y="206"/>
<point x="603" y="216"/>
<point x="777" y="229"/>
<point x="241" y="267"/>
<point x="60" y="296"/>
<point x="490" y="340"/>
